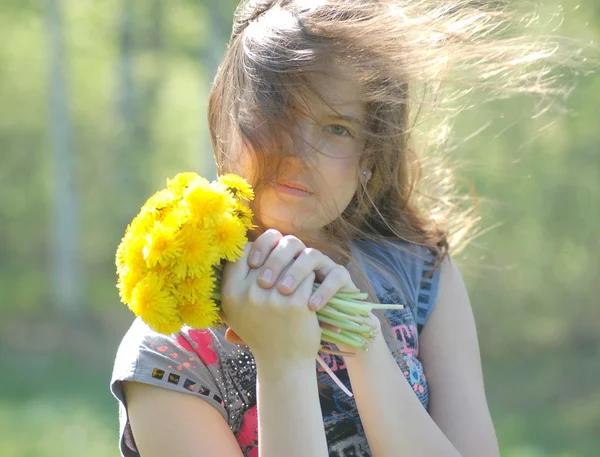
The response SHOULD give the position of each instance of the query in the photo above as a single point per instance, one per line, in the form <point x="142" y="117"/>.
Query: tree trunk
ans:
<point x="127" y="175"/>
<point x="64" y="262"/>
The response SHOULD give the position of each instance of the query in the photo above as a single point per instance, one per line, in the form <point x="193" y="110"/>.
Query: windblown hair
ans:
<point x="408" y="57"/>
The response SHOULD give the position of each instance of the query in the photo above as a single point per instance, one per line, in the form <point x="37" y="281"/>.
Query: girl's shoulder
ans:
<point x="197" y="362"/>
<point x="403" y="271"/>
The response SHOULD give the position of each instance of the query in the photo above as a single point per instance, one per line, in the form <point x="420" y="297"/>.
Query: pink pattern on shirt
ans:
<point x="185" y="344"/>
<point x="247" y="436"/>
<point x="204" y="340"/>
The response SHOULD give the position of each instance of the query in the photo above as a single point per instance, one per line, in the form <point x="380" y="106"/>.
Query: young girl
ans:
<point x="314" y="104"/>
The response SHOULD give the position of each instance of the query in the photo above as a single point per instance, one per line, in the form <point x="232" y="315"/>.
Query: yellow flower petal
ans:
<point x="244" y="214"/>
<point x="159" y="204"/>
<point x="163" y="246"/>
<point x="230" y="237"/>
<point x="200" y="315"/>
<point x="199" y="253"/>
<point x="152" y="302"/>
<point x="238" y="186"/>
<point x="130" y="254"/>
<point x="195" y="289"/>
<point x="206" y="202"/>
<point x="127" y="281"/>
<point x="182" y="180"/>
<point x="141" y="224"/>
<point x="176" y="217"/>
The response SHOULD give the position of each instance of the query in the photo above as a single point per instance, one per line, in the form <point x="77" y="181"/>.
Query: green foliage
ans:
<point x="532" y="278"/>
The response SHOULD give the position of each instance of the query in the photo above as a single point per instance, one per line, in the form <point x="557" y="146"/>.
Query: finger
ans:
<point x="307" y="262"/>
<point x="336" y="279"/>
<point x="303" y="292"/>
<point x="233" y="337"/>
<point x="288" y="248"/>
<point x="326" y="267"/>
<point x="262" y="247"/>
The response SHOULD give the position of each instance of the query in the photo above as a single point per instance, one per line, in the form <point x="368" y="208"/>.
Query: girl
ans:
<point x="315" y="105"/>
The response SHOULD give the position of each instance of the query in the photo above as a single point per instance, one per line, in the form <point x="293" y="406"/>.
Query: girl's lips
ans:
<point x="292" y="188"/>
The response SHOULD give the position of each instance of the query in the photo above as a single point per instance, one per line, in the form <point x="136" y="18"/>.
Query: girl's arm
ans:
<point x="459" y="422"/>
<point x="167" y="423"/>
<point x="290" y="422"/>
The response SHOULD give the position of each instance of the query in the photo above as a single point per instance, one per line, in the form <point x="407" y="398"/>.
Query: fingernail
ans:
<point x="266" y="275"/>
<point x="314" y="302"/>
<point x="287" y="282"/>
<point x="255" y="260"/>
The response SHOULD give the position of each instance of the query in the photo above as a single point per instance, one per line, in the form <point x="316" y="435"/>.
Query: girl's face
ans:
<point x="307" y="198"/>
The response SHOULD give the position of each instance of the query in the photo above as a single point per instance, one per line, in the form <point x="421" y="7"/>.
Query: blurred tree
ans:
<point x="127" y="174"/>
<point x="65" y="268"/>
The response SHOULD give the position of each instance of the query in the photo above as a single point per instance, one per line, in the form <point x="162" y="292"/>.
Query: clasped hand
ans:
<point x="268" y="298"/>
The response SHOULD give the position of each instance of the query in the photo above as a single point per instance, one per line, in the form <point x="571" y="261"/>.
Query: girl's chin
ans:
<point x="283" y="225"/>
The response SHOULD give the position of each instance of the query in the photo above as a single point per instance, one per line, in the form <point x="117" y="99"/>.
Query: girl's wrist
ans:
<point x="375" y="346"/>
<point x="273" y="369"/>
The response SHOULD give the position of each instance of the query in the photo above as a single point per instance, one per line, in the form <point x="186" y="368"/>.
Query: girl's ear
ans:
<point x="366" y="171"/>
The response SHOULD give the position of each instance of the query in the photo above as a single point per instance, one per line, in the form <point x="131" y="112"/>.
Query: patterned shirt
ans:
<point x="202" y="363"/>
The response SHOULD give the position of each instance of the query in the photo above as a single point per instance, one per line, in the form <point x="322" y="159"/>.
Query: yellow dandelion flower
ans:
<point x="163" y="246"/>
<point x="238" y="186"/>
<point x="128" y="279"/>
<point x="230" y="237"/>
<point x="199" y="253"/>
<point x="135" y="257"/>
<point x="141" y="224"/>
<point x="195" y="289"/>
<point x="207" y="202"/>
<point x="200" y="314"/>
<point x="161" y="199"/>
<point x="159" y="204"/>
<point x="130" y="255"/>
<point x="121" y="256"/>
<point x="166" y="275"/>
<point x="153" y="303"/>
<point x="175" y="218"/>
<point x="244" y="214"/>
<point x="182" y="180"/>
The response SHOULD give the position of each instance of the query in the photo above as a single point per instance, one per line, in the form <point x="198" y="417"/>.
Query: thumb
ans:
<point x="233" y="337"/>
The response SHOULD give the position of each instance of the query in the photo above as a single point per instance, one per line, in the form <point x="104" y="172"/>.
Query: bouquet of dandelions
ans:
<point x="169" y="262"/>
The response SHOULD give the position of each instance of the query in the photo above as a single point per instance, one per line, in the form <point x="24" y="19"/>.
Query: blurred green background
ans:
<point x="103" y="100"/>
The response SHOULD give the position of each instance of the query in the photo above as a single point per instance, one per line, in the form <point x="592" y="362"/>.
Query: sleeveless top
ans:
<point x="202" y="363"/>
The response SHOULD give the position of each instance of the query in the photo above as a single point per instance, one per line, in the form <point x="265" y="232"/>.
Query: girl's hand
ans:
<point x="286" y="262"/>
<point x="275" y="326"/>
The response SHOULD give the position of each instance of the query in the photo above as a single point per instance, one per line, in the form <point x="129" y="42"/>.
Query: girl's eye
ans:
<point x="339" y="130"/>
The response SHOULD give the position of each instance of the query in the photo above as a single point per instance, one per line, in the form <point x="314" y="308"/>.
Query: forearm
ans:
<point x="394" y="419"/>
<point x="290" y="421"/>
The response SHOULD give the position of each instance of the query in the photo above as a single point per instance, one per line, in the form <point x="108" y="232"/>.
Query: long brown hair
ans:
<point x="409" y="57"/>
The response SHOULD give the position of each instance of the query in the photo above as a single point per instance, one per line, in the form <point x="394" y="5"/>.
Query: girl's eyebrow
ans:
<point x="347" y="118"/>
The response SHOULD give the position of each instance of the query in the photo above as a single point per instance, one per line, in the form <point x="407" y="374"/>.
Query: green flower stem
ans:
<point x="358" y="338"/>
<point x="334" y="313"/>
<point x="386" y="306"/>
<point x="348" y="296"/>
<point x="375" y="305"/>
<point x="347" y="307"/>
<point x="336" y="338"/>
<point x="345" y="325"/>
<point x="350" y="325"/>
